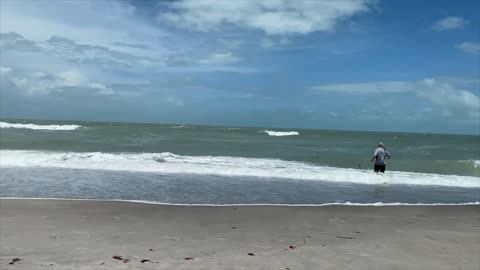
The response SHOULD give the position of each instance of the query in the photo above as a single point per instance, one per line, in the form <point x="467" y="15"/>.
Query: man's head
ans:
<point x="380" y="144"/>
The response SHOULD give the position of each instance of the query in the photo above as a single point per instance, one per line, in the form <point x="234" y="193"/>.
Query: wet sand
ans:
<point x="57" y="234"/>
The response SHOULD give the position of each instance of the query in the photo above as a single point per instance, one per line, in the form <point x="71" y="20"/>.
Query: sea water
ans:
<point x="186" y="164"/>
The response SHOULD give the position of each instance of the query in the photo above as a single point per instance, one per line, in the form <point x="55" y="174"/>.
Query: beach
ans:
<point x="83" y="234"/>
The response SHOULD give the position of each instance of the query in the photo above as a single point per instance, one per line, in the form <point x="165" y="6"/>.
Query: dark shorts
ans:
<point x="379" y="168"/>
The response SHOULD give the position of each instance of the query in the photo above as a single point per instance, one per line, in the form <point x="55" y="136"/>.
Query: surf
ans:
<point x="167" y="162"/>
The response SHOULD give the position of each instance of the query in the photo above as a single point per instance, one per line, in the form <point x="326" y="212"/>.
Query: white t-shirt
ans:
<point x="381" y="154"/>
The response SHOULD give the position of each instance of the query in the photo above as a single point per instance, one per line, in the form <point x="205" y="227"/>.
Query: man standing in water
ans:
<point x="379" y="156"/>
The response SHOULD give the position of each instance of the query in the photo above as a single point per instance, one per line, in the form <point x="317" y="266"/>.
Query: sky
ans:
<point x="371" y="65"/>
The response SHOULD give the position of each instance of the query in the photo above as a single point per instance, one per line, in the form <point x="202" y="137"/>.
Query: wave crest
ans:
<point x="223" y="166"/>
<point x="281" y="133"/>
<point x="39" y="127"/>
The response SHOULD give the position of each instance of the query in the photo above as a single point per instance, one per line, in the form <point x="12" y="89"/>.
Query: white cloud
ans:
<point x="231" y="43"/>
<point x="450" y="95"/>
<point x="173" y="100"/>
<point x="455" y="101"/>
<point x="72" y="78"/>
<point x="268" y="43"/>
<point x="35" y="83"/>
<point x="219" y="59"/>
<point x="274" y="17"/>
<point x="89" y="22"/>
<point x="470" y="47"/>
<point x="5" y="70"/>
<point x="366" y="88"/>
<point x="449" y="23"/>
<point x="333" y="114"/>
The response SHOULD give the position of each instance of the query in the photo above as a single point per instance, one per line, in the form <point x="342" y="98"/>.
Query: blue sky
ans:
<point x="346" y="64"/>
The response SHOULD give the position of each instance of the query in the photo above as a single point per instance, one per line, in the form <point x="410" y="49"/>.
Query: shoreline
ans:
<point x="375" y="204"/>
<point x="86" y="234"/>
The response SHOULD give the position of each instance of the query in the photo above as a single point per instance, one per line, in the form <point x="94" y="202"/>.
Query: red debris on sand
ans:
<point x="189" y="258"/>
<point x="251" y="254"/>
<point x="145" y="260"/>
<point x="292" y="247"/>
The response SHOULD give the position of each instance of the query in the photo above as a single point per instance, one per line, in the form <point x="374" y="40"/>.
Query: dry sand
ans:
<point x="56" y="234"/>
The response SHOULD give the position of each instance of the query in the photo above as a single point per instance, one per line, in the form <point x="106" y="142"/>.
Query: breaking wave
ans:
<point x="39" y="127"/>
<point x="223" y="166"/>
<point x="281" y="133"/>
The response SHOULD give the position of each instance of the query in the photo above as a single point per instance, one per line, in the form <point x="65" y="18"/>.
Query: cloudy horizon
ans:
<point x="346" y="64"/>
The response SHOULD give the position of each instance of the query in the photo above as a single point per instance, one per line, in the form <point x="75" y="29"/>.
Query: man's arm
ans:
<point x="374" y="156"/>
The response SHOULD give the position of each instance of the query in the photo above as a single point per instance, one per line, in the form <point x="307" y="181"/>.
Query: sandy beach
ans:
<point x="57" y="234"/>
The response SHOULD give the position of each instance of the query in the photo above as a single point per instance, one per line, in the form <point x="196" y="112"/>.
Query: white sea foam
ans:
<point x="223" y="166"/>
<point x="475" y="163"/>
<point x="281" y="133"/>
<point x="181" y="126"/>
<point x="39" y="127"/>
<point x="255" y="204"/>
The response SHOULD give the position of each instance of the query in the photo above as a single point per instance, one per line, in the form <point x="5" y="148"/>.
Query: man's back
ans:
<point x="380" y="155"/>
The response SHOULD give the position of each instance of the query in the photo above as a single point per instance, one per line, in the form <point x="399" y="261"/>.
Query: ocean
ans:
<point x="215" y="165"/>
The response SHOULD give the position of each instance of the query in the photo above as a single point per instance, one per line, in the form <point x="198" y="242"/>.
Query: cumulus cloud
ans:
<point x="454" y="101"/>
<point x="274" y="17"/>
<point x="470" y="47"/>
<point x="449" y="23"/>
<point x="449" y="95"/>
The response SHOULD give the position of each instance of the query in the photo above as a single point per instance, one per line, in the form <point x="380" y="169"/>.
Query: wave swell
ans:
<point x="39" y="127"/>
<point x="223" y="166"/>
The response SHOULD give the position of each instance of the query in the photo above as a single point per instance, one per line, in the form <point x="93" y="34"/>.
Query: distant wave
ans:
<point x="181" y="126"/>
<point x="475" y="163"/>
<point x="419" y="148"/>
<point x="223" y="166"/>
<point x="281" y="133"/>
<point x="39" y="127"/>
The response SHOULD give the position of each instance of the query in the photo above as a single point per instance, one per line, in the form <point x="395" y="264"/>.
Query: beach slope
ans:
<point x="62" y="234"/>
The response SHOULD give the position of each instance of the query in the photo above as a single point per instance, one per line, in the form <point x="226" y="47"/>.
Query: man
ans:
<point x="379" y="156"/>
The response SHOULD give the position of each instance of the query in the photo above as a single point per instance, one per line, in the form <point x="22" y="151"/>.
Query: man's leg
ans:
<point x="382" y="168"/>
